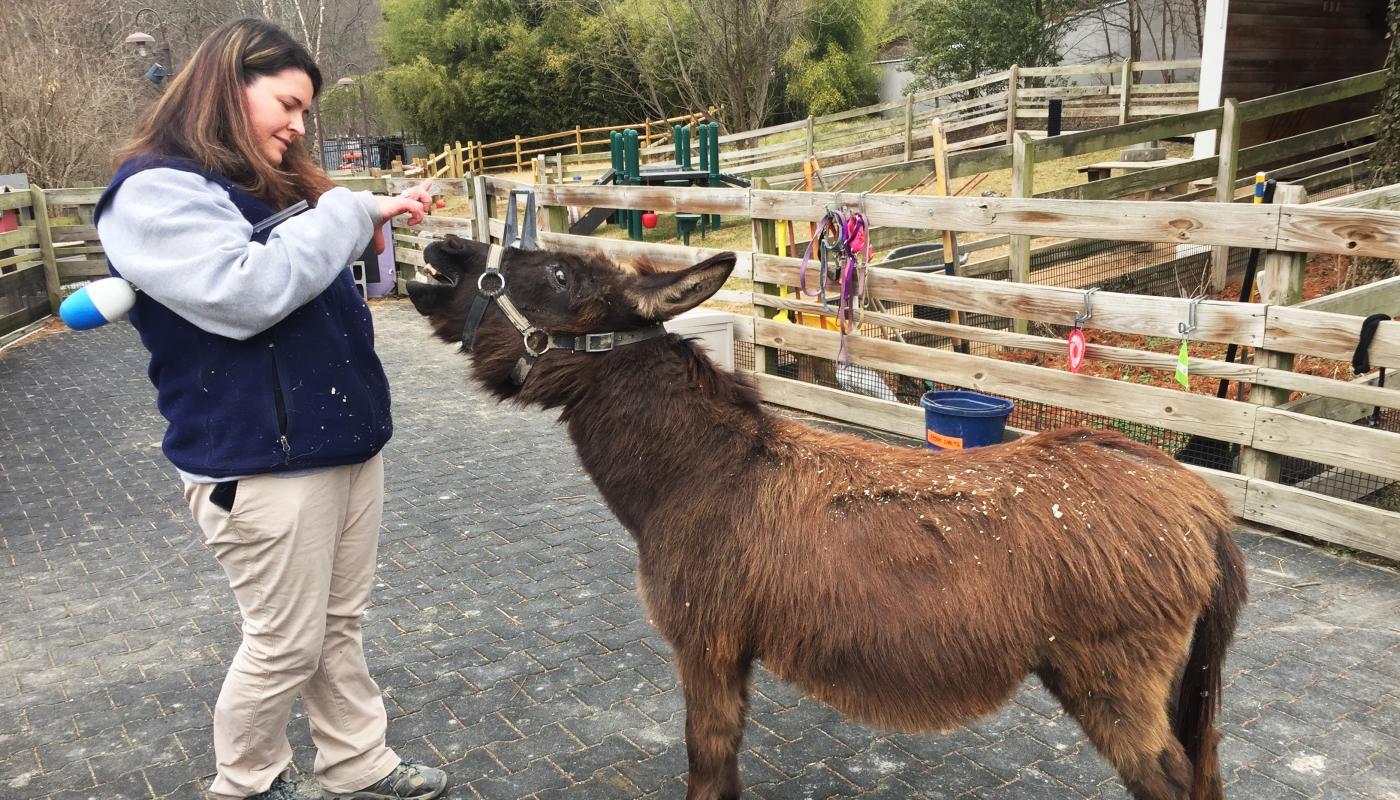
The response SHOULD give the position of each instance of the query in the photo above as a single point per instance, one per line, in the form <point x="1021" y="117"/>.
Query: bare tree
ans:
<point x="67" y="92"/>
<point x="624" y="56"/>
<point x="70" y="90"/>
<point x="704" y="52"/>
<point x="335" y="32"/>
<point x="1163" y="28"/>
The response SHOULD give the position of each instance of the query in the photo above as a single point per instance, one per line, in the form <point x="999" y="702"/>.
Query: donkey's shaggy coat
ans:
<point x="909" y="589"/>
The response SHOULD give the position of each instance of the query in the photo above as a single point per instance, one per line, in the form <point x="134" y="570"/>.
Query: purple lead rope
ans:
<point x="846" y="238"/>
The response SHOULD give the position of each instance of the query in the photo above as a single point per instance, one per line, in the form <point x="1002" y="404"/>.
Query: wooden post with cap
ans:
<point x="1281" y="284"/>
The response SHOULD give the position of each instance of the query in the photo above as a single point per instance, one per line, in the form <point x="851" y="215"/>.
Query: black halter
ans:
<point x="491" y="288"/>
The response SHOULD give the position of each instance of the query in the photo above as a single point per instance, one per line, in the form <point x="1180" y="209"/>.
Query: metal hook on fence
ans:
<point x="1190" y="324"/>
<point x="1080" y="319"/>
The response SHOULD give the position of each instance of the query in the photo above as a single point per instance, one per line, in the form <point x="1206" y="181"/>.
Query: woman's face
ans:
<point x="277" y="105"/>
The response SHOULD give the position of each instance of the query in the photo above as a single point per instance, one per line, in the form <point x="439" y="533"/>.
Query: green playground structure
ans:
<point x="627" y="170"/>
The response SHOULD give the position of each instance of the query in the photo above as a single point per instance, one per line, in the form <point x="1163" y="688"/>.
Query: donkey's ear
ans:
<point x="454" y="257"/>
<point x="660" y="296"/>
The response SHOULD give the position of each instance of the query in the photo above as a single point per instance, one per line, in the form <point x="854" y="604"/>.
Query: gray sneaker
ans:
<point x="406" y="782"/>
<point x="279" y="790"/>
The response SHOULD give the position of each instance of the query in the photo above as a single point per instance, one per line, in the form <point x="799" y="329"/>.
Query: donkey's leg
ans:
<point x="716" y="699"/>
<point x="1121" y="695"/>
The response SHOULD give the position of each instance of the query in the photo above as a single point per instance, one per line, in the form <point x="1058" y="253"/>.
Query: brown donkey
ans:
<point x="908" y="589"/>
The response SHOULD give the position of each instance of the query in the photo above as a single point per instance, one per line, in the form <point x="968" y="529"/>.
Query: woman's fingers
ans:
<point x="423" y="192"/>
<point x="413" y="201"/>
<point x="414" y="209"/>
<point x="390" y="207"/>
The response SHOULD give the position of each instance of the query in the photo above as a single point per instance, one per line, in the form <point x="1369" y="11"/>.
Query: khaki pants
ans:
<point x="300" y="555"/>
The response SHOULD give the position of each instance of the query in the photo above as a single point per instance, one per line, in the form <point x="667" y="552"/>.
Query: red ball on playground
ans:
<point x="441" y="203"/>
<point x="648" y="219"/>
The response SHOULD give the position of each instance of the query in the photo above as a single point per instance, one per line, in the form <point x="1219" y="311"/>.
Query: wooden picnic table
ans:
<point x="1104" y="169"/>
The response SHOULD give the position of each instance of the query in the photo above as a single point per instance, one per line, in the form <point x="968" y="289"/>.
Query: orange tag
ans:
<point x="945" y="442"/>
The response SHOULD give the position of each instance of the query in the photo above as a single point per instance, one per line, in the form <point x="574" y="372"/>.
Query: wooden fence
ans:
<point x="1336" y="153"/>
<point x="1268" y="425"/>
<point x="56" y="238"/>
<point x="519" y="152"/>
<point x="1318" y="160"/>
<point x="899" y="131"/>
<point x="1013" y="98"/>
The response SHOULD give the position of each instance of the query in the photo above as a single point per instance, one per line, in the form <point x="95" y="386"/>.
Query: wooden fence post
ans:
<point x="1125" y="92"/>
<point x="943" y="187"/>
<point x="1228" y="147"/>
<point x="765" y="240"/>
<point x="1013" y="83"/>
<point x="556" y="217"/>
<point x="646" y="133"/>
<point x="52" y="284"/>
<point x="811" y="136"/>
<point x="519" y="164"/>
<point x="1281" y="284"/>
<point x="578" y="140"/>
<point x="481" y="210"/>
<point x="458" y="164"/>
<point x="908" y="127"/>
<point x="1022" y="185"/>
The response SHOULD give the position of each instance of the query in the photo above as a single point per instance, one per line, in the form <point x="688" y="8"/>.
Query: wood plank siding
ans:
<point x="1273" y="46"/>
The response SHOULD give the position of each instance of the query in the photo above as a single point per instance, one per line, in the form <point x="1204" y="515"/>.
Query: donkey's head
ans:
<point x="562" y="300"/>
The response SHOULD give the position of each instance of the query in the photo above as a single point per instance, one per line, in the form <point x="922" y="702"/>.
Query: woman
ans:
<point x="263" y="361"/>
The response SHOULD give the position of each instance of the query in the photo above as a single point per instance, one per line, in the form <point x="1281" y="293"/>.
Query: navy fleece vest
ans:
<point x="307" y="392"/>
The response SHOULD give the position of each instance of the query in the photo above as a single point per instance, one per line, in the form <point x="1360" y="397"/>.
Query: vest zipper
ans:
<point x="281" y="403"/>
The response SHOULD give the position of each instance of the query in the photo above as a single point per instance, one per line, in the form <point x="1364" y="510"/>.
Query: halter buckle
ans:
<point x="597" y="342"/>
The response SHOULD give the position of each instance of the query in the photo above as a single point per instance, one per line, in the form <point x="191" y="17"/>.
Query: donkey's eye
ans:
<point x="558" y="276"/>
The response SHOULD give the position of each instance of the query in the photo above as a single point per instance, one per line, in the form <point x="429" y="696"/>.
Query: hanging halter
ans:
<point x="843" y="252"/>
<point x="491" y="288"/>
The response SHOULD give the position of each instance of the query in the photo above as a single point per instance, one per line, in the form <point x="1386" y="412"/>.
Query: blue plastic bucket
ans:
<point x="954" y="419"/>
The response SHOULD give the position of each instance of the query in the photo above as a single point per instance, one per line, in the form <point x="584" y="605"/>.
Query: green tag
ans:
<point x="1181" y="366"/>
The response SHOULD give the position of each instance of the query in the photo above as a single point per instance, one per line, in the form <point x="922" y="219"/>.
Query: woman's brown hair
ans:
<point x="202" y="114"/>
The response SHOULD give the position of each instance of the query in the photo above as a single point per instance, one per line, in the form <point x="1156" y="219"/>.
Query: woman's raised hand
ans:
<point x="413" y="201"/>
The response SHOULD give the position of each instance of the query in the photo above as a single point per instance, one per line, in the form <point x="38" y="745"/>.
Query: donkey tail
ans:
<point x="1199" y="695"/>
